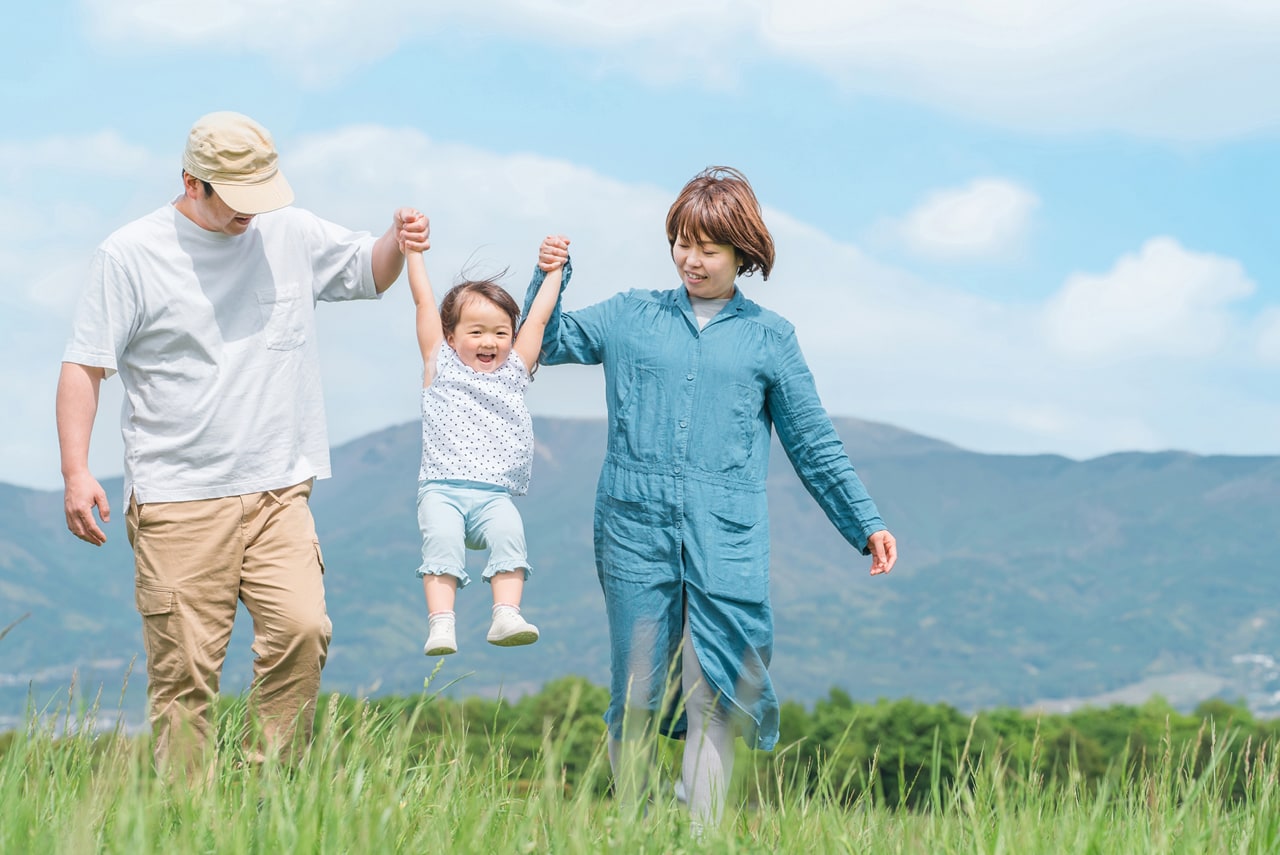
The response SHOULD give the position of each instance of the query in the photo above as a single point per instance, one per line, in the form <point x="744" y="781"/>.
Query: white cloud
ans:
<point x="104" y="152"/>
<point x="315" y="43"/>
<point x="488" y="212"/>
<point x="988" y="217"/>
<point x="1183" y="69"/>
<point x="1179" y="68"/>
<point x="883" y="344"/>
<point x="45" y="215"/>
<point x="1163" y="301"/>
<point x="1267" y="332"/>
<point x="98" y="154"/>
<point x="352" y="33"/>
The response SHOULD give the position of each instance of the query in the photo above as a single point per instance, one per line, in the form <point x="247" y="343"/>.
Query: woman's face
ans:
<point x="707" y="269"/>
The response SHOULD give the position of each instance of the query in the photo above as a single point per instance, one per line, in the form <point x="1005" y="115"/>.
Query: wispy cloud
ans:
<point x="1179" y="69"/>
<point x="1075" y="374"/>
<point x="104" y="153"/>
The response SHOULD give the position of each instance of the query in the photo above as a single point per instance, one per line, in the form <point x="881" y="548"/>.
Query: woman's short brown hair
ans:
<point x="719" y="205"/>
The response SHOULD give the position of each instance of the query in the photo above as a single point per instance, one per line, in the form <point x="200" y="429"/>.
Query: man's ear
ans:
<point x="192" y="186"/>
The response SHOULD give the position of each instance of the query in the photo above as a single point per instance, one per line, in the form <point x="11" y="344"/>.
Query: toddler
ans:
<point x="477" y="444"/>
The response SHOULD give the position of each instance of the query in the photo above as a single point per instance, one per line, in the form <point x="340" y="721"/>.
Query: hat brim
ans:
<point x="270" y="195"/>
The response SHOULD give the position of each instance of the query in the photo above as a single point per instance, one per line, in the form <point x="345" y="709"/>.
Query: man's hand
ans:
<point x="413" y="230"/>
<point x="83" y="493"/>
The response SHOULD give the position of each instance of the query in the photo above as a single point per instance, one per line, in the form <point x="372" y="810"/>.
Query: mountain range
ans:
<point x="1022" y="581"/>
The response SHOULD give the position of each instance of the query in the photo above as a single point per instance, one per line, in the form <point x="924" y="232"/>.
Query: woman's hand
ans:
<point x="553" y="253"/>
<point x="884" y="552"/>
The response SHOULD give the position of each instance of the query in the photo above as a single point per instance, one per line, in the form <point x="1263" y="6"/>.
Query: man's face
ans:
<point x="209" y="212"/>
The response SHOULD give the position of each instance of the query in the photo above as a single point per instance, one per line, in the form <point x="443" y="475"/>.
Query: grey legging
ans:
<point x="708" y="751"/>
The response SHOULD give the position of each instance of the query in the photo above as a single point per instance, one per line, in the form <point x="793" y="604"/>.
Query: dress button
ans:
<point x="676" y="470"/>
<point x="684" y="424"/>
<point x="688" y="376"/>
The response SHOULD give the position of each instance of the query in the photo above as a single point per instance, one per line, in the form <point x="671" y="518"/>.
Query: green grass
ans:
<point x="377" y="780"/>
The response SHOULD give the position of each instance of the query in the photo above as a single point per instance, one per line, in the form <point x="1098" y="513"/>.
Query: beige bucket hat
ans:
<point x="238" y="157"/>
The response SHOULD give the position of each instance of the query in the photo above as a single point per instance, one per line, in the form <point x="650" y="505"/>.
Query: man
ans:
<point x="206" y="309"/>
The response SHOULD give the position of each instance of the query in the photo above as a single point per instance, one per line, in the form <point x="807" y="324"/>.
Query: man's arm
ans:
<point x="407" y="224"/>
<point x="77" y="406"/>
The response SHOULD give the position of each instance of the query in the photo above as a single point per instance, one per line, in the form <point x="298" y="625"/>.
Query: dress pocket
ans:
<point x="737" y="555"/>
<point x="640" y="415"/>
<point x="633" y="532"/>
<point x="731" y="430"/>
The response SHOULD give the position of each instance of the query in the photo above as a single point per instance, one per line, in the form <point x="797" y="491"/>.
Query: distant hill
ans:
<point x="1023" y="580"/>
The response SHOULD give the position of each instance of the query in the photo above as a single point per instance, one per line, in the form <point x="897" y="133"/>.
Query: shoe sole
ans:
<point x="439" y="651"/>
<point x="517" y="639"/>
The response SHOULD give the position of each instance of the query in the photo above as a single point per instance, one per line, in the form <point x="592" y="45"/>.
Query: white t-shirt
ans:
<point x="476" y="425"/>
<point x="214" y="339"/>
<point x="706" y="308"/>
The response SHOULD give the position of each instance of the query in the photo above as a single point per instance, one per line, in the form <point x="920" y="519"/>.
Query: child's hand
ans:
<point x="413" y="230"/>
<point x="553" y="253"/>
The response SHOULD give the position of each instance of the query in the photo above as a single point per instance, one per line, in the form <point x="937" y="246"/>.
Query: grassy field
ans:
<point x="372" y="783"/>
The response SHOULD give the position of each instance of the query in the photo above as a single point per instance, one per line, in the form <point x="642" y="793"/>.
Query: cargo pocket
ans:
<point x="152" y="602"/>
<point x="319" y="556"/>
<point x="163" y="636"/>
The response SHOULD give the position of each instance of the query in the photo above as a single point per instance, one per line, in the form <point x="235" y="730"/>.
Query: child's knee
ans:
<point x="443" y="572"/>
<point x="507" y="570"/>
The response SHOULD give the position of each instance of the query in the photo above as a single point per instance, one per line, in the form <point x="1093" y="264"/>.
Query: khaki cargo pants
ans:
<point x="194" y="561"/>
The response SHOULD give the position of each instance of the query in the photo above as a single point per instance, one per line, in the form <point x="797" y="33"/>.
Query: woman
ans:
<point x="695" y="377"/>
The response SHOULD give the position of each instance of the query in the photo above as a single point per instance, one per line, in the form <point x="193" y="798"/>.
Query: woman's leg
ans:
<point x="708" y="748"/>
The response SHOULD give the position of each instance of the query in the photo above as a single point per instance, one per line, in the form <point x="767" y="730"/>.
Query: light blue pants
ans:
<point x="455" y="516"/>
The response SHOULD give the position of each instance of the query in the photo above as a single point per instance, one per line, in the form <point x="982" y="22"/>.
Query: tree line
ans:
<point x="898" y="752"/>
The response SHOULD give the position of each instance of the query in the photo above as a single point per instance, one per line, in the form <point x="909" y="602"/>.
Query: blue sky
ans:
<point x="1017" y="226"/>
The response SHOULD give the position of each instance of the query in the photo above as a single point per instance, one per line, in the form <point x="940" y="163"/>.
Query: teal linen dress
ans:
<point x="681" y="515"/>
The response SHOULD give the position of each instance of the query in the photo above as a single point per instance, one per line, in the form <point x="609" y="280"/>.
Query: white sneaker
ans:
<point x="510" y="629"/>
<point x="441" y="641"/>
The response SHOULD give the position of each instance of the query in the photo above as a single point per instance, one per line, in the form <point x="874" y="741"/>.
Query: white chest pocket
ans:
<point x="283" y="317"/>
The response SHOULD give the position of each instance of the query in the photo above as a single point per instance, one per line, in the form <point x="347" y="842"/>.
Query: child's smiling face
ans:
<point x="482" y="338"/>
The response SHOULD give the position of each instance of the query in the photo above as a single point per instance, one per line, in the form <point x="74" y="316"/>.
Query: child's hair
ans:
<point x="482" y="289"/>
<point x="719" y="205"/>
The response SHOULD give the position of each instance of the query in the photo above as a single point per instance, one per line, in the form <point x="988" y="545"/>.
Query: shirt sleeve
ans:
<point x="341" y="262"/>
<point x="576" y="337"/>
<point x="815" y="449"/>
<point x="105" y="318"/>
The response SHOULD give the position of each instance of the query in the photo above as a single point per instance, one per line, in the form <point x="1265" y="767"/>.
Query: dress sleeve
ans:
<point x="577" y="337"/>
<point x="814" y="448"/>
